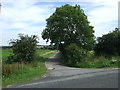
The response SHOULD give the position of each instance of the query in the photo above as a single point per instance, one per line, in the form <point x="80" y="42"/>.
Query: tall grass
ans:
<point x="21" y="72"/>
<point x="8" y="69"/>
<point x="92" y="61"/>
<point x="99" y="62"/>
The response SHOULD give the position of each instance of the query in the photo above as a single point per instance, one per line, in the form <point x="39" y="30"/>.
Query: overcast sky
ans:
<point x="29" y="16"/>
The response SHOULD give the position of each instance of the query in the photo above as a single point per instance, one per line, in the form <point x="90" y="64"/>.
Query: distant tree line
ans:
<point x="37" y="46"/>
<point x="5" y="47"/>
<point x="51" y="47"/>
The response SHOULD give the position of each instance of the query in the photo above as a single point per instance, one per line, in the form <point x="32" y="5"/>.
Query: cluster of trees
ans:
<point x="69" y="30"/>
<point x="23" y="49"/>
<point x="108" y="44"/>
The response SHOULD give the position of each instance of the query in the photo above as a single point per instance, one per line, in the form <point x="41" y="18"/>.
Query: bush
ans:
<point x="108" y="44"/>
<point x="73" y="55"/>
<point x="23" y="49"/>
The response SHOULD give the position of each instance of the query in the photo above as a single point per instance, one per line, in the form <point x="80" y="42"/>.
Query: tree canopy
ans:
<point x="108" y="44"/>
<point x="69" y="24"/>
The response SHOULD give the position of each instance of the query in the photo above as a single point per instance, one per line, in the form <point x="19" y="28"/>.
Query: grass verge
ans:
<point x="20" y="72"/>
<point x="100" y="62"/>
<point x="92" y="61"/>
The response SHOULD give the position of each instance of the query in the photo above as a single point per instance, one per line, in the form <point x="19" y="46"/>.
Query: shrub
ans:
<point x="108" y="44"/>
<point x="23" y="49"/>
<point x="73" y="55"/>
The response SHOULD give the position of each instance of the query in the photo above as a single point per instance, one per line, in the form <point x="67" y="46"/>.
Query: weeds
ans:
<point x="22" y="72"/>
<point x="8" y="69"/>
<point x="99" y="62"/>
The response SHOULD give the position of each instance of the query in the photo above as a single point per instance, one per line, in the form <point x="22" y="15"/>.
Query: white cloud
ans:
<point x="28" y="16"/>
<point x="105" y="17"/>
<point x="25" y="18"/>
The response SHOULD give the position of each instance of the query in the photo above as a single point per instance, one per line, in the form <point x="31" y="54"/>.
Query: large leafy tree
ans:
<point x="69" y="24"/>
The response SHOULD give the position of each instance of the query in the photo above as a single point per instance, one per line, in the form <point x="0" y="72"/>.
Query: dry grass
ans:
<point x="8" y="69"/>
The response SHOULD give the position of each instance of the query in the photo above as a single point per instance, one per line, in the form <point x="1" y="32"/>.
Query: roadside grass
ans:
<point x="99" y="62"/>
<point x="20" y="72"/>
<point x="92" y="61"/>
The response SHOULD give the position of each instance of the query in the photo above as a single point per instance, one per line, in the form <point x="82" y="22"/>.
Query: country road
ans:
<point x="59" y="76"/>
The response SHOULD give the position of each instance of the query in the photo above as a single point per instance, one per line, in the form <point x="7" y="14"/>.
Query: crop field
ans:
<point x="8" y="52"/>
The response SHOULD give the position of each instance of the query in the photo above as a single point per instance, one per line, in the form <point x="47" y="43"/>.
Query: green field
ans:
<point x="20" y="72"/>
<point x="8" y="52"/>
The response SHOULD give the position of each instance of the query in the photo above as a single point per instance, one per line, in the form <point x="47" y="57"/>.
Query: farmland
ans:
<point x="8" y="52"/>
